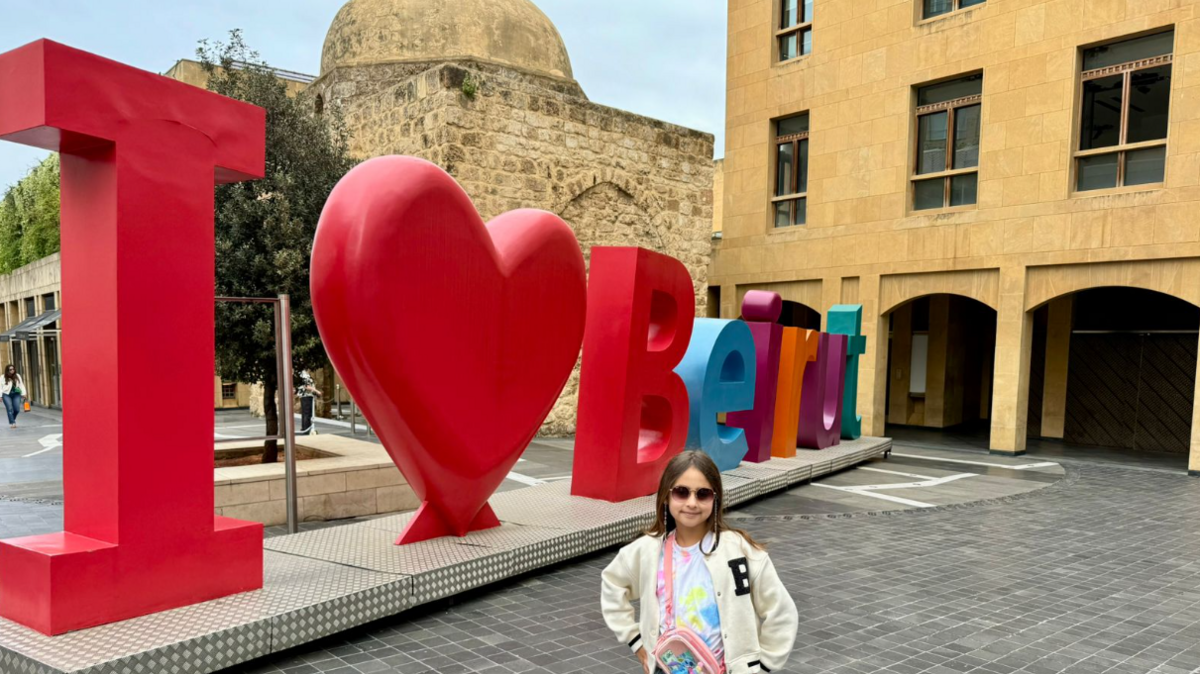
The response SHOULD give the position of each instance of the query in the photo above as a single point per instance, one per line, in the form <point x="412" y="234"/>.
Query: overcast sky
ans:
<point x="662" y="58"/>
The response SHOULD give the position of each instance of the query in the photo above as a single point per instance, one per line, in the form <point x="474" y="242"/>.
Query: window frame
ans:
<point x="798" y="30"/>
<point x="1122" y="148"/>
<point x="948" y="174"/>
<point x="794" y="139"/>
<point x="921" y="18"/>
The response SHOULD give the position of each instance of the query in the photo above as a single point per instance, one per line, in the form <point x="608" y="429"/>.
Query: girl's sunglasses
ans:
<point x="703" y="494"/>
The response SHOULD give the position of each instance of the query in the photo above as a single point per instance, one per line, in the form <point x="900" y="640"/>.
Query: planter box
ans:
<point x="358" y="479"/>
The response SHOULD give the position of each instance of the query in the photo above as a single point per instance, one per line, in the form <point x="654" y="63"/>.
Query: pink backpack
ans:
<point x="680" y="650"/>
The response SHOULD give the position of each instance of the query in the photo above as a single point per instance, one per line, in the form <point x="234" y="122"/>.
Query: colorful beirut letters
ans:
<point x="139" y="155"/>
<point x="846" y="319"/>
<point x="760" y="310"/>
<point x="719" y="372"/>
<point x="781" y="387"/>
<point x="633" y="407"/>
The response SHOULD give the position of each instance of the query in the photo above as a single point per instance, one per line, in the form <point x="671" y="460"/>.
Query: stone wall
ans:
<point x="34" y="279"/>
<point x="523" y="141"/>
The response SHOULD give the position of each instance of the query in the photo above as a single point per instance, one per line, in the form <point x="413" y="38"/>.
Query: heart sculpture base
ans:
<point x="429" y="524"/>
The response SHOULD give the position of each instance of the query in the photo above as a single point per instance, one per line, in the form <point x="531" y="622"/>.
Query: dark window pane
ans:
<point x="963" y="189"/>
<point x="783" y="169"/>
<point x="966" y="137"/>
<point x="787" y="47"/>
<point x="929" y="194"/>
<point x="801" y="211"/>
<point x="938" y="7"/>
<point x="790" y="125"/>
<point x="783" y="214"/>
<point x="1129" y="50"/>
<point x="806" y="42"/>
<point x="802" y="175"/>
<point x="931" y="142"/>
<point x="1097" y="173"/>
<point x="948" y="91"/>
<point x="1101" y="124"/>
<point x="789" y="16"/>
<point x="1149" y="98"/>
<point x="808" y="11"/>
<point x="1143" y="167"/>
<point x="963" y="4"/>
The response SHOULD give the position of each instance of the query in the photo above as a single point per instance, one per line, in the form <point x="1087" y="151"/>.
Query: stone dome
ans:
<point x="506" y="32"/>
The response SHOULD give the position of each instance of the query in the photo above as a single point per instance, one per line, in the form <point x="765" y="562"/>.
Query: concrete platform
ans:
<point x="323" y="582"/>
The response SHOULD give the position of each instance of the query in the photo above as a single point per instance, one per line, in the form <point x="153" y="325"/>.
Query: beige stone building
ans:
<point x="1008" y="187"/>
<point x="486" y="91"/>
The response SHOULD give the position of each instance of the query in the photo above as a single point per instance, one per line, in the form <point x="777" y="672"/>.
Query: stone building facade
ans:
<point x="486" y="93"/>
<point x="1008" y="188"/>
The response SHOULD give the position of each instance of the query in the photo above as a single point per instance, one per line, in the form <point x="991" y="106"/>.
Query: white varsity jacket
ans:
<point x="758" y="616"/>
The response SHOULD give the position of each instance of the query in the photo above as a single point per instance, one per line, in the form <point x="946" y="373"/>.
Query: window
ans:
<point x="946" y="173"/>
<point x="791" y="171"/>
<point x="228" y="391"/>
<point x="795" y="29"/>
<point x="934" y="8"/>
<point x="1126" y="94"/>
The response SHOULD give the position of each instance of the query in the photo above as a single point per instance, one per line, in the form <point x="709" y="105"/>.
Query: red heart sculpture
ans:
<point x="454" y="337"/>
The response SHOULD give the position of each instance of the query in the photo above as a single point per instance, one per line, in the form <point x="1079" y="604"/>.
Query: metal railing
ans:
<point x="287" y="420"/>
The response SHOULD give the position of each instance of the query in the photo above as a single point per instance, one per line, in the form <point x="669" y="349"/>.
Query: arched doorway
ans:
<point x="797" y="315"/>
<point x="940" y="363"/>
<point x="1115" y="367"/>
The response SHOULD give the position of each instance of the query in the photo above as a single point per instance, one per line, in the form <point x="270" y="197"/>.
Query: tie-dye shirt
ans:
<point x="695" y="598"/>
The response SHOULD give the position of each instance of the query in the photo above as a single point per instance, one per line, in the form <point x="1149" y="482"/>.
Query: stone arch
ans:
<point x="981" y="285"/>
<point x="1177" y="278"/>
<point x="575" y="186"/>
<point x="608" y="213"/>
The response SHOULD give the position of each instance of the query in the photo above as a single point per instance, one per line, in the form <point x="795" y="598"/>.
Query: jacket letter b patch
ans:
<point x="741" y="575"/>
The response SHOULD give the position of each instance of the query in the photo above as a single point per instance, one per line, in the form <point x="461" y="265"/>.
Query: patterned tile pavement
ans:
<point x="1098" y="573"/>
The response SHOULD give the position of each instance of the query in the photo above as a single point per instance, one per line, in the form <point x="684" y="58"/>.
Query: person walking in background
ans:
<point x="306" y="392"/>
<point x="12" y="390"/>
<point x="711" y="601"/>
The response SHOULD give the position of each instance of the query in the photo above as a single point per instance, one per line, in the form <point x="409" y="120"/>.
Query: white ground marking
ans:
<point x="48" y="443"/>
<point x="886" y="497"/>
<point x="896" y="472"/>
<point x="932" y="482"/>
<point x="1025" y="466"/>
<point x="525" y="479"/>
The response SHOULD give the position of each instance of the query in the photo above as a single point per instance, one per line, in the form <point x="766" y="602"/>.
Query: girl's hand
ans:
<point x="645" y="658"/>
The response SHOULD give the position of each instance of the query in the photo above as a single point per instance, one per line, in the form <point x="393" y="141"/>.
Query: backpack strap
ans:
<point x="669" y="578"/>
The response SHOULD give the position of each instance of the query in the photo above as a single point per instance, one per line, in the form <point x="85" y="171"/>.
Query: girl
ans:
<point x="725" y="587"/>
<point x="12" y="391"/>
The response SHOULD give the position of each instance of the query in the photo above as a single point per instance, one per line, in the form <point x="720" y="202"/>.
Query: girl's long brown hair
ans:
<point x="10" y="368"/>
<point x="664" y="523"/>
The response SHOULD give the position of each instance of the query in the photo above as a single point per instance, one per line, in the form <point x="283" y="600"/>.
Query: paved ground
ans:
<point x="1093" y="570"/>
<point x="1099" y="572"/>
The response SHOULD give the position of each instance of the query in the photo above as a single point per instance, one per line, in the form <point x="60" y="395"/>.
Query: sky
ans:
<point x="663" y="59"/>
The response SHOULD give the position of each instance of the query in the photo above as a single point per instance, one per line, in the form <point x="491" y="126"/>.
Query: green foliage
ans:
<point x="470" y="86"/>
<point x="29" y="221"/>
<point x="265" y="228"/>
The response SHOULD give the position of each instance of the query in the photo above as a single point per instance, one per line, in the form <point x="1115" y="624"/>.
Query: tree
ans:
<point x="265" y="228"/>
<point x="29" y="218"/>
